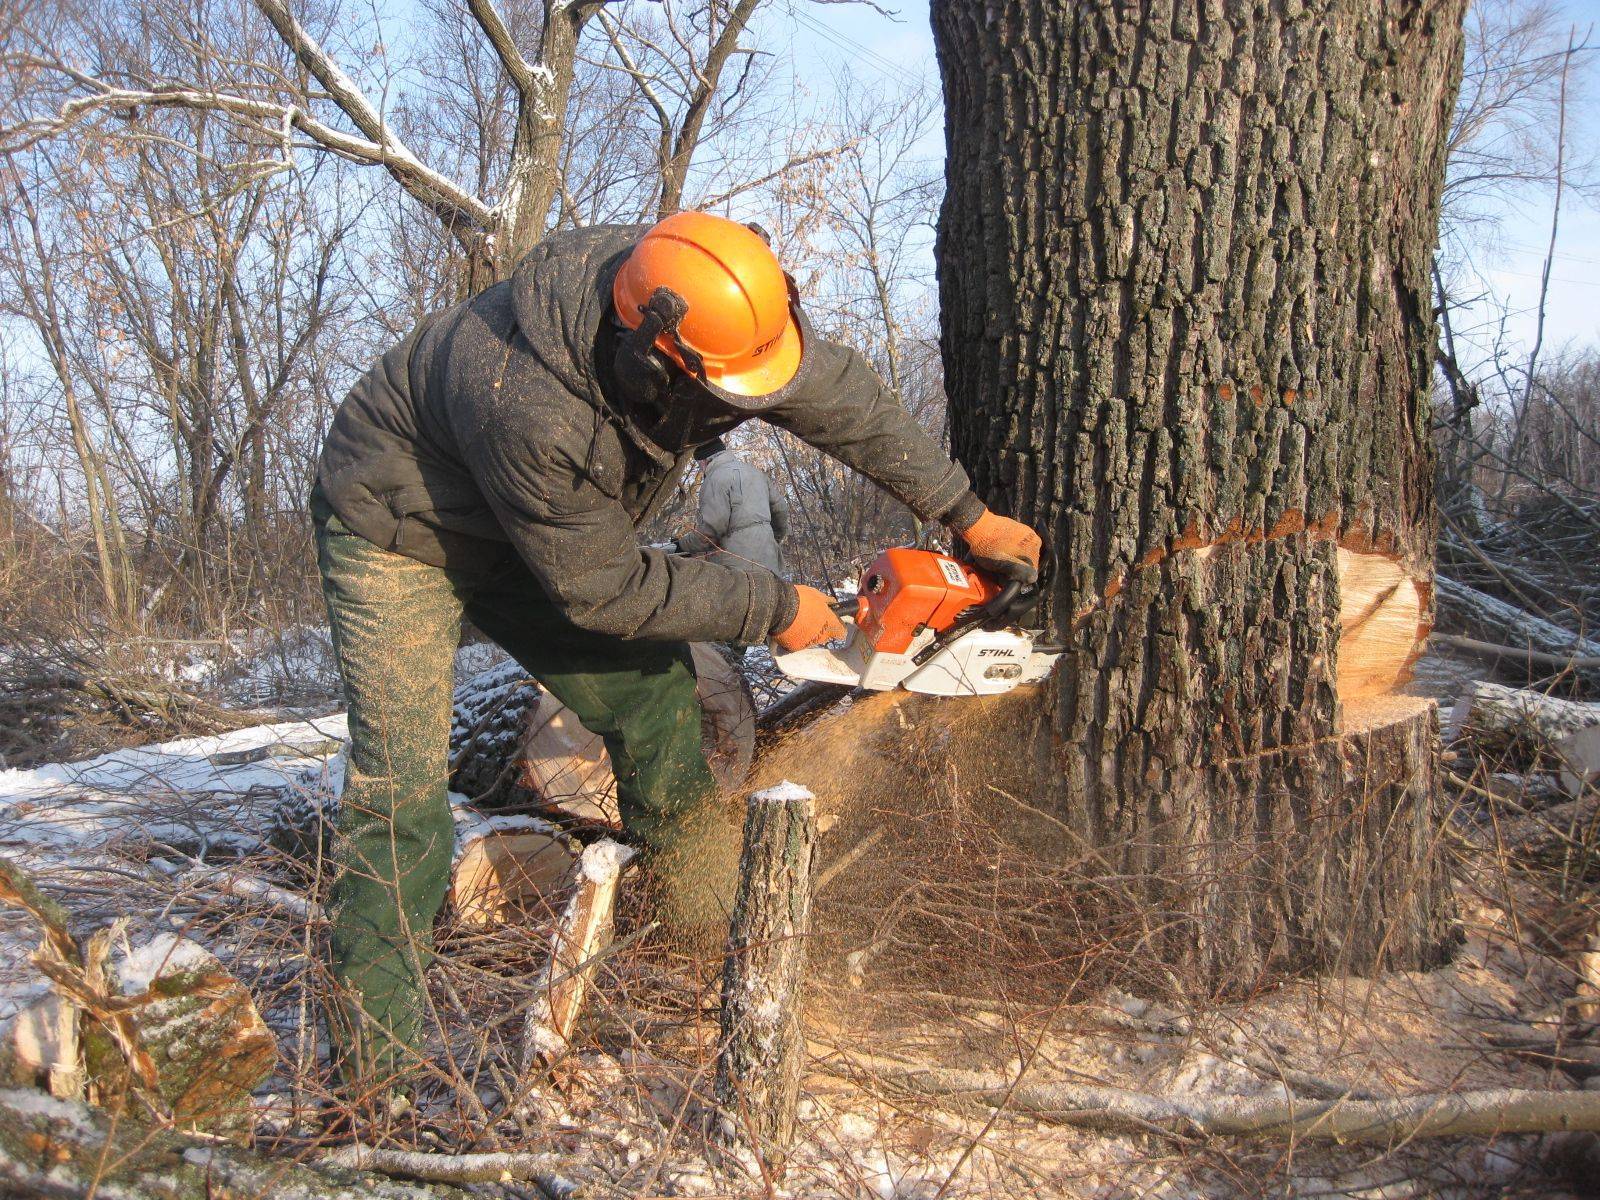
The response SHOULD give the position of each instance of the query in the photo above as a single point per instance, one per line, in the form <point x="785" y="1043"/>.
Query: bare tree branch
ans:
<point x="505" y="47"/>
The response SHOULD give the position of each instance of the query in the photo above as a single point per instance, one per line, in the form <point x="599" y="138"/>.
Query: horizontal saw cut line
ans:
<point x="1384" y="618"/>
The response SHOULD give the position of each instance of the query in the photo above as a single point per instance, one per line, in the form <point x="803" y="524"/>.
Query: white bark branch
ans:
<point x="505" y="46"/>
<point x="437" y="191"/>
<point x="1446" y="1114"/>
<point x="407" y="169"/>
<point x="501" y="1167"/>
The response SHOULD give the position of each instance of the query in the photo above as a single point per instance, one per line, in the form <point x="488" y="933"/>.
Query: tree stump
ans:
<point x="763" y="1043"/>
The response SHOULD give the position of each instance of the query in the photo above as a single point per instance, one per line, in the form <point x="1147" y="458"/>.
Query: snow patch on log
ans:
<point x="783" y="792"/>
<point x="602" y="862"/>
<point x="164" y="954"/>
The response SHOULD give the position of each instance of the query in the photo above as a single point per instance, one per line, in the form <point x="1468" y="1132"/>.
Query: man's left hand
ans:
<point x="1004" y="547"/>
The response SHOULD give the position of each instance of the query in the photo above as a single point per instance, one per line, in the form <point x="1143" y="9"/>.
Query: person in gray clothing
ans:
<point x="496" y="465"/>
<point x="742" y="517"/>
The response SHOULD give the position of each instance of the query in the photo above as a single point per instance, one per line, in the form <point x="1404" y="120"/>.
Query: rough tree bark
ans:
<point x="1183" y="264"/>
<point x="763" y="1036"/>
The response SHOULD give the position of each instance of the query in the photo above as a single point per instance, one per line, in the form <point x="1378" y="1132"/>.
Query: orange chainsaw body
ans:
<point x="905" y="591"/>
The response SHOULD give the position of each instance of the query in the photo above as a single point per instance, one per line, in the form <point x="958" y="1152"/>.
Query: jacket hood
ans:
<point x="561" y="295"/>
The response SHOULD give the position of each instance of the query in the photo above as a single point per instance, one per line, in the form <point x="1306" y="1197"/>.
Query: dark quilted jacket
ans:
<point x="498" y="421"/>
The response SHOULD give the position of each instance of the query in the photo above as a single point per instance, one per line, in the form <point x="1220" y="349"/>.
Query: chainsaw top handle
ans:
<point x="1007" y="607"/>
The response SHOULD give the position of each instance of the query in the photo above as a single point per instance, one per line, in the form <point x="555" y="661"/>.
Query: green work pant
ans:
<point x="396" y="623"/>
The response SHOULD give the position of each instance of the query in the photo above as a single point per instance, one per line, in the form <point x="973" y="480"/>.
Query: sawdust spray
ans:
<point x="941" y="878"/>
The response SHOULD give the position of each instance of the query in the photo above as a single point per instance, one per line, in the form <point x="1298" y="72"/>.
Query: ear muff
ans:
<point x="641" y="369"/>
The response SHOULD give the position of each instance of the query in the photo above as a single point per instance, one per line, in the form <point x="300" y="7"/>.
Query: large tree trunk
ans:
<point x="1184" y="276"/>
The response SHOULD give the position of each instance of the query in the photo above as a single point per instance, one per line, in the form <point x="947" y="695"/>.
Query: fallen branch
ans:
<point x="1495" y="650"/>
<point x="1445" y="1114"/>
<point x="496" y="1167"/>
<point x="67" y="1149"/>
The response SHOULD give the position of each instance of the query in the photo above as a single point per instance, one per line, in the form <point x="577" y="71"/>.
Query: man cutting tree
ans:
<point x="495" y="465"/>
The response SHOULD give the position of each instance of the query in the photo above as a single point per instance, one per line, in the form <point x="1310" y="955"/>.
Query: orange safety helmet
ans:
<point x="739" y="329"/>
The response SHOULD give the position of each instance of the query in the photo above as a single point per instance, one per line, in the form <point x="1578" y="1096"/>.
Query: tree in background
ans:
<point x="203" y="261"/>
<point x="1184" y="270"/>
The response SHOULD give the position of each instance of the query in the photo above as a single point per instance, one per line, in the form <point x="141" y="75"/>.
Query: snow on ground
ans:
<point x="94" y="833"/>
<point x="200" y="795"/>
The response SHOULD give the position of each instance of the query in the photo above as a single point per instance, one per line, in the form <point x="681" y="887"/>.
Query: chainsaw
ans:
<point x="928" y="623"/>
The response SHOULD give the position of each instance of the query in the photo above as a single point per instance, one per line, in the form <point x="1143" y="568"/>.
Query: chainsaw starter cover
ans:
<point x="905" y="591"/>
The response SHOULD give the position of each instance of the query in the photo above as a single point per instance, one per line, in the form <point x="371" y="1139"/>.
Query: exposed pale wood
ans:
<point x="1587" y="965"/>
<point x="583" y="931"/>
<point x="40" y="1047"/>
<point x="1383" y="624"/>
<point x="501" y="876"/>
<point x="1579" y="756"/>
<point x="763" y="1043"/>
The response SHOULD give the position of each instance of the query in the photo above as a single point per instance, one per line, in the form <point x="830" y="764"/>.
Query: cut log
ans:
<point x="503" y="876"/>
<point x="197" y="1025"/>
<point x="1465" y="610"/>
<point x="763" y="1042"/>
<point x="582" y="933"/>
<point x="1383" y="624"/>
<point x="1516" y="723"/>
<point x="39" y="1047"/>
<point x="58" y="1148"/>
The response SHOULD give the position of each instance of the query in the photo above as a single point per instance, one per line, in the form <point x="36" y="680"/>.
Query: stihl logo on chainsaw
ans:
<point x="997" y="652"/>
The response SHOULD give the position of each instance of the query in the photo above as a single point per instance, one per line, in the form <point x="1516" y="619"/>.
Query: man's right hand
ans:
<point x="814" y="623"/>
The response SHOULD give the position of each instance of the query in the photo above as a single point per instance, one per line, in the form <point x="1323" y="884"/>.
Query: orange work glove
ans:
<point x="813" y="625"/>
<point x="1005" y="547"/>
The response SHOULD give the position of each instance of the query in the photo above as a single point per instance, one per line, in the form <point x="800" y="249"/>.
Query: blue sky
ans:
<point x="1507" y="267"/>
